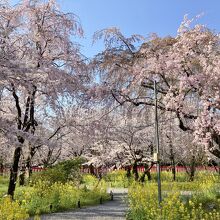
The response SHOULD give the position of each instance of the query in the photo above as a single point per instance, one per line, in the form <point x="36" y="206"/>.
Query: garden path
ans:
<point x="112" y="210"/>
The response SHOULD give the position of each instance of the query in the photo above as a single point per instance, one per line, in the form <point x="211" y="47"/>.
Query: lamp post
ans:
<point x="157" y="154"/>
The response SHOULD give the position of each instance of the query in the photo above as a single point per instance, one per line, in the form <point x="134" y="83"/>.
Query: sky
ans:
<point x="138" y="17"/>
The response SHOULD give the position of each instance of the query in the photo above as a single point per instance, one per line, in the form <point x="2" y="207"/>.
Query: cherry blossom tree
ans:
<point x="186" y="68"/>
<point x="67" y="137"/>
<point x="178" y="148"/>
<point x="123" y="139"/>
<point x="41" y="69"/>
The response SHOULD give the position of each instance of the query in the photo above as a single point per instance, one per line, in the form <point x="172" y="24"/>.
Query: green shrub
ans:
<point x="68" y="170"/>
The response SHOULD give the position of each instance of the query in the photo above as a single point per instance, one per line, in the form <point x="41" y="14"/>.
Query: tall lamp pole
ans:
<point x="157" y="156"/>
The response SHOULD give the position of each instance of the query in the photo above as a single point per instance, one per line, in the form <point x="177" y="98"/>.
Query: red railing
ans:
<point x="154" y="169"/>
<point x="179" y="168"/>
<point x="38" y="169"/>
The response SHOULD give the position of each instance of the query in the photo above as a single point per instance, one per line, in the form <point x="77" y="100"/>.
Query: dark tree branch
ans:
<point x="17" y="106"/>
<point x="27" y="108"/>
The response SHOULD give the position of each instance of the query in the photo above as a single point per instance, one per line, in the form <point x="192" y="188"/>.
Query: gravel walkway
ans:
<point x="112" y="210"/>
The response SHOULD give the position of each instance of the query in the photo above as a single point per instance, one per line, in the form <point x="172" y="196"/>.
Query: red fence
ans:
<point x="37" y="169"/>
<point x="154" y="169"/>
<point x="180" y="168"/>
<point x="6" y="170"/>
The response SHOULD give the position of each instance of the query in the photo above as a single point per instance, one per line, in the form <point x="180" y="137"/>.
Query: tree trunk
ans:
<point x="128" y="172"/>
<point x="29" y="167"/>
<point x="135" y="171"/>
<point x="173" y="167"/>
<point x="146" y="172"/>
<point x="172" y="158"/>
<point x="91" y="169"/>
<point x="22" y="176"/>
<point x="27" y="124"/>
<point x="174" y="172"/>
<point x="216" y="139"/>
<point x="148" y="175"/>
<point x="192" y="169"/>
<point x="192" y="174"/>
<point x="1" y="167"/>
<point x="14" y="171"/>
<point x="29" y="160"/>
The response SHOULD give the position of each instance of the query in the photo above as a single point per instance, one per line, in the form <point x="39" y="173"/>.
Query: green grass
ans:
<point x="3" y="185"/>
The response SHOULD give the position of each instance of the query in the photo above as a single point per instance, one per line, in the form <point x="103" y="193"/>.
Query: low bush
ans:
<point x="12" y="210"/>
<point x="202" y="201"/>
<point x="118" y="178"/>
<point x="90" y="180"/>
<point x="68" y="170"/>
<point x="44" y="198"/>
